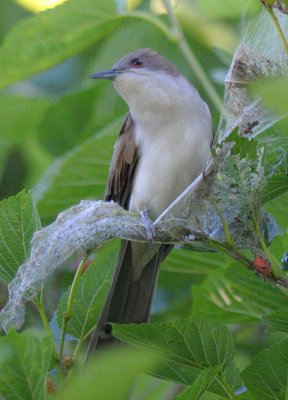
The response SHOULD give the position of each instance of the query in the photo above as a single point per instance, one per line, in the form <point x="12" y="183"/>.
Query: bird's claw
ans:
<point x="149" y="226"/>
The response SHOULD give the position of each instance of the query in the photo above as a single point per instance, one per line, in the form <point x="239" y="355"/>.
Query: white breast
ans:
<point x="173" y="136"/>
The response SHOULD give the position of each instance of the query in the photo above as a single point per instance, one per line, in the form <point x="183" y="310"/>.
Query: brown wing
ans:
<point x="122" y="165"/>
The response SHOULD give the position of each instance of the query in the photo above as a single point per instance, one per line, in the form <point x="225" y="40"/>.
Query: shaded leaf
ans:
<point x="267" y="376"/>
<point x="121" y="367"/>
<point x="65" y="123"/>
<point x="81" y="174"/>
<point x="24" y="364"/>
<point x="18" y="221"/>
<point x="90" y="293"/>
<point x="19" y="116"/>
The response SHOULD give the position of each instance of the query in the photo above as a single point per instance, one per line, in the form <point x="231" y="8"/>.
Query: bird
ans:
<point x="163" y="145"/>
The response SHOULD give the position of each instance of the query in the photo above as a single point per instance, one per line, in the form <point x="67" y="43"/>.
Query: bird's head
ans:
<point x="139" y="73"/>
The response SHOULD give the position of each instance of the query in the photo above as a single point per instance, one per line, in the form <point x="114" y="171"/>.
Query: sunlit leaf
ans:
<point x="46" y="39"/>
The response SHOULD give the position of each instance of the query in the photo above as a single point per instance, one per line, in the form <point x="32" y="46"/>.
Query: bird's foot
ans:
<point x="149" y="226"/>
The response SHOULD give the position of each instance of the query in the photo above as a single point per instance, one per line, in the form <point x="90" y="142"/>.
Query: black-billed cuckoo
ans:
<point x="163" y="145"/>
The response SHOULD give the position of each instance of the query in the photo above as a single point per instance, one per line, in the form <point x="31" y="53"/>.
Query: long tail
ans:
<point x="131" y="294"/>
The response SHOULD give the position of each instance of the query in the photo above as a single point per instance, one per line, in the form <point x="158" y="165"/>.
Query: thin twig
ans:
<point x="276" y="22"/>
<point x="191" y="58"/>
<point x="68" y="313"/>
<point x="39" y="304"/>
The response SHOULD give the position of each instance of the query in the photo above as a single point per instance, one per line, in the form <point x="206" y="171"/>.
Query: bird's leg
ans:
<point x="148" y="225"/>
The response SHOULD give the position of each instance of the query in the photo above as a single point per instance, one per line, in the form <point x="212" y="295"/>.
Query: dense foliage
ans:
<point x="218" y="331"/>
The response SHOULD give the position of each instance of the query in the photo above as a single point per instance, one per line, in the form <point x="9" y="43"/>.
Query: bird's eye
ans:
<point x="136" y="63"/>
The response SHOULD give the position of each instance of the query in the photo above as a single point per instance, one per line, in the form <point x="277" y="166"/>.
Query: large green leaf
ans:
<point x="18" y="221"/>
<point x="81" y="174"/>
<point x="91" y="293"/>
<point x="72" y="119"/>
<point x="48" y="38"/>
<point x="235" y="295"/>
<point x="19" y="116"/>
<point x="267" y="376"/>
<point x="109" y="376"/>
<point x="186" y="347"/>
<point x="24" y="364"/>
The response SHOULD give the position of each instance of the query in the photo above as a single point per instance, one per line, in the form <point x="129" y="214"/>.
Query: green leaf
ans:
<point x="243" y="147"/>
<point x="267" y="376"/>
<point x="24" y="363"/>
<point x="90" y="293"/>
<point x="186" y="347"/>
<point x="201" y="384"/>
<point x="109" y="376"/>
<point x="19" y="116"/>
<point x="65" y="123"/>
<point x="81" y="174"/>
<point x="18" y="221"/>
<point x="74" y="118"/>
<point x="48" y="38"/>
<point x="235" y="295"/>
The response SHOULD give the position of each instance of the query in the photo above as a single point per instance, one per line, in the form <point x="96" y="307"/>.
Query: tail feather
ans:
<point x="129" y="299"/>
